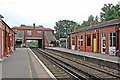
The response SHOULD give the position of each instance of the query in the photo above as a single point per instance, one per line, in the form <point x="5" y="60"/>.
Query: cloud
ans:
<point x="47" y="12"/>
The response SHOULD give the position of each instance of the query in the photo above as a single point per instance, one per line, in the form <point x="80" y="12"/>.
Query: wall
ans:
<point x="75" y="41"/>
<point x="34" y="34"/>
<point x="6" y="40"/>
<point x="82" y="47"/>
<point x="119" y="38"/>
<point x="106" y="30"/>
<point x="0" y="43"/>
<point x="98" y="39"/>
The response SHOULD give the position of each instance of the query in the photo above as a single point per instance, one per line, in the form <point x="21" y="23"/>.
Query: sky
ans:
<point x="47" y="12"/>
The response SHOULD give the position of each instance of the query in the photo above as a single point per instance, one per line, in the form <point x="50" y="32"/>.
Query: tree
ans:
<point x="109" y="12"/>
<point x="84" y="24"/>
<point x="90" y="19"/>
<point x="63" y="28"/>
<point x="96" y="20"/>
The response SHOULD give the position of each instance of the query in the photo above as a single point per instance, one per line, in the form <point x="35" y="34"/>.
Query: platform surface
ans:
<point x="23" y="64"/>
<point x="100" y="56"/>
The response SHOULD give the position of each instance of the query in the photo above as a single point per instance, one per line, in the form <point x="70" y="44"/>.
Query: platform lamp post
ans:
<point x="68" y="39"/>
<point x="66" y="36"/>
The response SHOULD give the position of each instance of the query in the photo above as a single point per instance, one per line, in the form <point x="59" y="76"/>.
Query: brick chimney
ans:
<point x="91" y="24"/>
<point x="40" y="25"/>
<point x="33" y="25"/>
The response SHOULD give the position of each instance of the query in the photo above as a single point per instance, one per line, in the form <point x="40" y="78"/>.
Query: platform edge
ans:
<point x="46" y="69"/>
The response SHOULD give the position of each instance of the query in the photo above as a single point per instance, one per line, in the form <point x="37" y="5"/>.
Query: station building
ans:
<point x="98" y="38"/>
<point x="43" y="35"/>
<point x="6" y="39"/>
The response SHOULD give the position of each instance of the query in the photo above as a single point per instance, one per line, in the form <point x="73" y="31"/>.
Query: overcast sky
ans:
<point x="47" y="12"/>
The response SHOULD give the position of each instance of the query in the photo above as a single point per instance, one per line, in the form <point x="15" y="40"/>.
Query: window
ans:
<point x="103" y="35"/>
<point x="29" y="32"/>
<point x="39" y="33"/>
<point x="81" y="40"/>
<point x="89" y="40"/>
<point x="94" y="36"/>
<point x="104" y="43"/>
<point x="73" y="41"/>
<point x="78" y="42"/>
<point x="112" y="39"/>
<point x="20" y="33"/>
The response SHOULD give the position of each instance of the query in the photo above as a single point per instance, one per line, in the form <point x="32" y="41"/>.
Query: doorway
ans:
<point x="112" y="42"/>
<point x="103" y="43"/>
<point x="73" y="43"/>
<point x="78" y="43"/>
<point x="40" y="43"/>
<point x="94" y="43"/>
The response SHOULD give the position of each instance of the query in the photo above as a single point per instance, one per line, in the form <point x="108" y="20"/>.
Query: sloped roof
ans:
<point x="31" y="27"/>
<point x="50" y="36"/>
<point x="100" y="25"/>
<point x="6" y="25"/>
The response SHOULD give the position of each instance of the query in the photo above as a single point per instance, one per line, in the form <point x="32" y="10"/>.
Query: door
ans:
<point x="112" y="43"/>
<point x="94" y="43"/>
<point x="103" y="43"/>
<point x="78" y="43"/>
<point x="73" y="42"/>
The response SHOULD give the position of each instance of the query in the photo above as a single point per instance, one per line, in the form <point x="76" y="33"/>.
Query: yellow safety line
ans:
<point x="30" y="71"/>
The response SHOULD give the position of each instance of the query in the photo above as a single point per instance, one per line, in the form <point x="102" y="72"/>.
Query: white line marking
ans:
<point x="47" y="70"/>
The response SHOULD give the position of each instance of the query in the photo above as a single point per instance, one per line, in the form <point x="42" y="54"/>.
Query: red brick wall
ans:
<point x="119" y="39"/>
<point x="106" y="30"/>
<point x="0" y="43"/>
<point x="98" y="39"/>
<point x="7" y="42"/>
<point x="82" y="48"/>
<point x="34" y="33"/>
<point x="89" y="48"/>
<point x="75" y="36"/>
<point x="11" y="39"/>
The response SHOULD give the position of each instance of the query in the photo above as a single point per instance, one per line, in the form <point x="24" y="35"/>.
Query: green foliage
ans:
<point x="63" y="28"/>
<point x="109" y="12"/>
<point x="90" y="19"/>
<point x="34" y="43"/>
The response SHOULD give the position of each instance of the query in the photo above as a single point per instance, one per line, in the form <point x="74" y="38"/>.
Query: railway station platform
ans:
<point x="23" y="64"/>
<point x="102" y="60"/>
<point x="113" y="59"/>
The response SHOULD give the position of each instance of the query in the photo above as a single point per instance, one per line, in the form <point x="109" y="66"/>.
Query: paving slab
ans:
<point x="16" y="65"/>
<point x="40" y="71"/>
<point x="22" y="64"/>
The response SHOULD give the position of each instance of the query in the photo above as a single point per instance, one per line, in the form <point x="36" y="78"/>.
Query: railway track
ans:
<point x="79" y="60"/>
<point x="57" y="71"/>
<point x="71" y="68"/>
